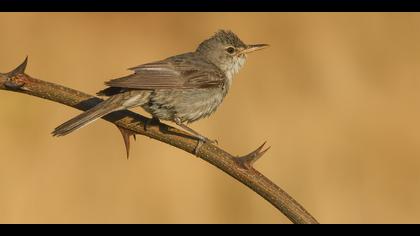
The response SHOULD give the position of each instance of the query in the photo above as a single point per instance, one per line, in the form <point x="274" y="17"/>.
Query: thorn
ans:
<point x="126" y="136"/>
<point x="248" y="160"/>
<point x="18" y="70"/>
<point x="13" y="79"/>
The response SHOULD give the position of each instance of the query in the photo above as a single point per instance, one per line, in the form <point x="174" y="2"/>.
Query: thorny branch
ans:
<point x="240" y="168"/>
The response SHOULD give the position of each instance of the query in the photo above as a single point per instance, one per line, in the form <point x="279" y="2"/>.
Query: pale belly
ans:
<point x="188" y="105"/>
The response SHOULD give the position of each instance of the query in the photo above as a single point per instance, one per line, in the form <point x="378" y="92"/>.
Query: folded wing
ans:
<point x="181" y="72"/>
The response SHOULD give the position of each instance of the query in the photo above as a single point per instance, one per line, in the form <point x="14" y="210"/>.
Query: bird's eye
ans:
<point x="230" y="50"/>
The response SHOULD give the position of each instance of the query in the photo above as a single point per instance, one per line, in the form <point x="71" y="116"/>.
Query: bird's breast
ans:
<point x="189" y="104"/>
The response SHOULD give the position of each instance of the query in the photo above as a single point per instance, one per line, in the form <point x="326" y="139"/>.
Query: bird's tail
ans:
<point x="114" y="103"/>
<point x="87" y="117"/>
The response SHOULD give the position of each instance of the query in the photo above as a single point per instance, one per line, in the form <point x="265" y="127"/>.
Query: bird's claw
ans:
<point x="210" y="141"/>
<point x="201" y="141"/>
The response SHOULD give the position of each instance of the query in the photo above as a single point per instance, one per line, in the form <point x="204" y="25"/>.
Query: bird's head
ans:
<point x="227" y="51"/>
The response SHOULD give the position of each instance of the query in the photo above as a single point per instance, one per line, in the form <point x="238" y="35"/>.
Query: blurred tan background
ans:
<point x="337" y="96"/>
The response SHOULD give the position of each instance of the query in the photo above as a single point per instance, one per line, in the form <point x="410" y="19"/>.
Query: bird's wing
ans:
<point x="175" y="72"/>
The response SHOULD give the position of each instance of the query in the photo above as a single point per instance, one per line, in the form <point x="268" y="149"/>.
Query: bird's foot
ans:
<point x="201" y="141"/>
<point x="201" y="138"/>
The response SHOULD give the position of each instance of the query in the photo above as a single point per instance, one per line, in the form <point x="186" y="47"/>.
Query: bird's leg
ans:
<point x="149" y="122"/>
<point x="201" y="138"/>
<point x="195" y="133"/>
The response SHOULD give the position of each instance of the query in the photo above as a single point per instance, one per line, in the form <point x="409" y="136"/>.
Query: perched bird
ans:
<point x="182" y="88"/>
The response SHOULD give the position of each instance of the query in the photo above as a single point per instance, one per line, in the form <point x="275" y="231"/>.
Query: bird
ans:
<point x="182" y="89"/>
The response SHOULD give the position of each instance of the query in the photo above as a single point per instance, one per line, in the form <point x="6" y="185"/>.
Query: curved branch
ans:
<point x="239" y="168"/>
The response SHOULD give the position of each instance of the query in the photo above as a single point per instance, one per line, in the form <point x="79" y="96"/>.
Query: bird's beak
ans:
<point x="254" y="47"/>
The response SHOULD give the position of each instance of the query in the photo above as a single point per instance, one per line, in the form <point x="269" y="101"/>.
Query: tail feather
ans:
<point x="86" y="118"/>
<point x="116" y="102"/>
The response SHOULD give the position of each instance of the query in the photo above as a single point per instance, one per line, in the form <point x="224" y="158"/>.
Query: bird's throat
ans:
<point x="235" y="67"/>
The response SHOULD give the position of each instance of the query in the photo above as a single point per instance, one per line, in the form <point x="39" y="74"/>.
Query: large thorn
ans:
<point x="18" y="70"/>
<point x="126" y="136"/>
<point x="248" y="160"/>
<point x="12" y="80"/>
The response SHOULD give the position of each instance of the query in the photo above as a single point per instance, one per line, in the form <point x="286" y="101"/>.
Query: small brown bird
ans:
<point x="182" y="89"/>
